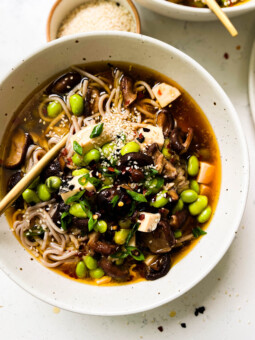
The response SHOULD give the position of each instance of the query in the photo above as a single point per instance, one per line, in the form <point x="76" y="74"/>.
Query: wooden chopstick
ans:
<point x="30" y="176"/>
<point x="214" y="7"/>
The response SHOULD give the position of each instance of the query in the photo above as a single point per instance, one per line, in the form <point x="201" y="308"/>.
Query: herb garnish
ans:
<point x="66" y="219"/>
<point x="198" y="232"/>
<point x="77" y="148"/>
<point x="75" y="198"/>
<point x="97" y="130"/>
<point x="114" y="201"/>
<point x="86" y="178"/>
<point x="131" y="233"/>
<point x="136" y="196"/>
<point x="129" y="251"/>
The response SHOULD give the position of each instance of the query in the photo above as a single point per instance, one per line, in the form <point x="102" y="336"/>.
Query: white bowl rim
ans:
<point x="203" y="11"/>
<point x="50" y="300"/>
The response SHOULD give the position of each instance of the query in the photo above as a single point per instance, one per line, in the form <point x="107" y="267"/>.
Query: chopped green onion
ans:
<point x="66" y="219"/>
<point x="97" y="130"/>
<point x="77" y="148"/>
<point x="136" y="196"/>
<point x="198" y="232"/>
<point x="114" y="201"/>
<point x="75" y="198"/>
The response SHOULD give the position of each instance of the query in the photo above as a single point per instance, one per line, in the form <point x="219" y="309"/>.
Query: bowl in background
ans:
<point x="182" y="12"/>
<point x="62" y="8"/>
<point x="69" y="294"/>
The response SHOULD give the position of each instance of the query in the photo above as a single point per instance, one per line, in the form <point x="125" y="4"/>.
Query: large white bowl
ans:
<point x="176" y="11"/>
<point x="71" y="295"/>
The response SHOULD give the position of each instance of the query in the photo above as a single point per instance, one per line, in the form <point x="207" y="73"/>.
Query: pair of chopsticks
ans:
<point x="217" y="10"/>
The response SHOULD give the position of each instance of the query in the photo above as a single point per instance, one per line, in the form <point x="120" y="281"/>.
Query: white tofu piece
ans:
<point x="83" y="138"/>
<point x="154" y="135"/>
<point x="165" y="93"/>
<point x="149" y="222"/>
<point x="77" y="187"/>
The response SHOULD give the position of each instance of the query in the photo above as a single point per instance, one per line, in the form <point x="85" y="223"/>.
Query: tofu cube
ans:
<point x="73" y="187"/>
<point x="148" y="222"/>
<point x="152" y="134"/>
<point x="165" y="93"/>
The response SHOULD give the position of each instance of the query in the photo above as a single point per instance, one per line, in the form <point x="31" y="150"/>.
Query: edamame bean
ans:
<point x="154" y="185"/>
<point x="77" y="104"/>
<point x="53" y="183"/>
<point x="199" y="205"/>
<point x="101" y="226"/>
<point x="92" y="155"/>
<point x="80" y="172"/>
<point x="194" y="186"/>
<point x="77" y="160"/>
<point x="189" y="196"/>
<point x="54" y="109"/>
<point x="193" y="166"/>
<point x="121" y="236"/>
<point x="96" y="273"/>
<point x="34" y="184"/>
<point x="107" y="149"/>
<point x="205" y="215"/>
<point x="130" y="147"/>
<point x="90" y="262"/>
<point x="178" y="233"/>
<point x="179" y="206"/>
<point x="166" y="150"/>
<point x="81" y="270"/>
<point x="125" y="223"/>
<point x="161" y="199"/>
<point x="77" y="211"/>
<point x="30" y="196"/>
<point x="43" y="192"/>
<point x="107" y="181"/>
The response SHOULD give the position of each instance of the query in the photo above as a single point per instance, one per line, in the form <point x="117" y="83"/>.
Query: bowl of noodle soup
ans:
<point x="106" y="62"/>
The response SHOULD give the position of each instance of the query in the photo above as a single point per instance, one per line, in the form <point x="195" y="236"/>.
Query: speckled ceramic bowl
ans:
<point x="172" y="10"/>
<point x="62" y="8"/>
<point x="125" y="299"/>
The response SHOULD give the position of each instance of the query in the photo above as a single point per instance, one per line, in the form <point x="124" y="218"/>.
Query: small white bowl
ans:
<point x="135" y="49"/>
<point x="182" y="12"/>
<point x="62" y="8"/>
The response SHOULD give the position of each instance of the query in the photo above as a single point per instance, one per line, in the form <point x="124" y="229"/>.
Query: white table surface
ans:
<point x="228" y="292"/>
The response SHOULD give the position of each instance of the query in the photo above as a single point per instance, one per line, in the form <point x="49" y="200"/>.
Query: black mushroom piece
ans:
<point x="18" y="150"/>
<point x="137" y="175"/>
<point x="137" y="158"/>
<point x="158" y="267"/>
<point x="12" y="181"/>
<point x="163" y="165"/>
<point x="127" y="90"/>
<point x="64" y="83"/>
<point x="179" y="218"/>
<point x="159" y="241"/>
<point x="60" y="208"/>
<point x="55" y="168"/>
<point x="181" y="141"/>
<point x="116" y="272"/>
<point x="107" y="205"/>
<point x="103" y="247"/>
<point x="165" y="120"/>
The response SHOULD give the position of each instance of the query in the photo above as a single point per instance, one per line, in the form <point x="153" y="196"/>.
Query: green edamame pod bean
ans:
<point x="30" y="196"/>
<point x="54" y="109"/>
<point x="43" y="192"/>
<point x="130" y="147"/>
<point x="121" y="236"/>
<point x="34" y="184"/>
<point x="101" y="226"/>
<point x="178" y="233"/>
<point x="166" y="150"/>
<point x="80" y="172"/>
<point x="125" y="223"/>
<point x="81" y="270"/>
<point x="77" y="160"/>
<point x="77" y="211"/>
<point x="179" y="206"/>
<point x="194" y="186"/>
<point x="90" y="262"/>
<point x="189" y="196"/>
<point x="107" y="149"/>
<point x="53" y="183"/>
<point x="154" y="185"/>
<point x="205" y="215"/>
<point x="77" y="104"/>
<point x="96" y="273"/>
<point x="160" y="200"/>
<point x="92" y="155"/>
<point x="199" y="205"/>
<point x="193" y="166"/>
<point x="107" y="181"/>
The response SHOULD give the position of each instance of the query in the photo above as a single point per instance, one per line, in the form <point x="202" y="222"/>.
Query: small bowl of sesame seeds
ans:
<point x="71" y="17"/>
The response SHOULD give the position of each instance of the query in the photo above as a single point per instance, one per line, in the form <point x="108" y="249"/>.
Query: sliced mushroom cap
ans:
<point x="178" y="141"/>
<point x="103" y="247"/>
<point x="116" y="272"/>
<point x="158" y="268"/>
<point x="165" y="120"/>
<point x="17" y="154"/>
<point x="127" y="90"/>
<point x="12" y="181"/>
<point x="137" y="158"/>
<point x="55" y="168"/>
<point x="158" y="241"/>
<point x="64" y="83"/>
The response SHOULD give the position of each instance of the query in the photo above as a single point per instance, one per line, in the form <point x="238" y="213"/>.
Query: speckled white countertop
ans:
<point x="228" y="292"/>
